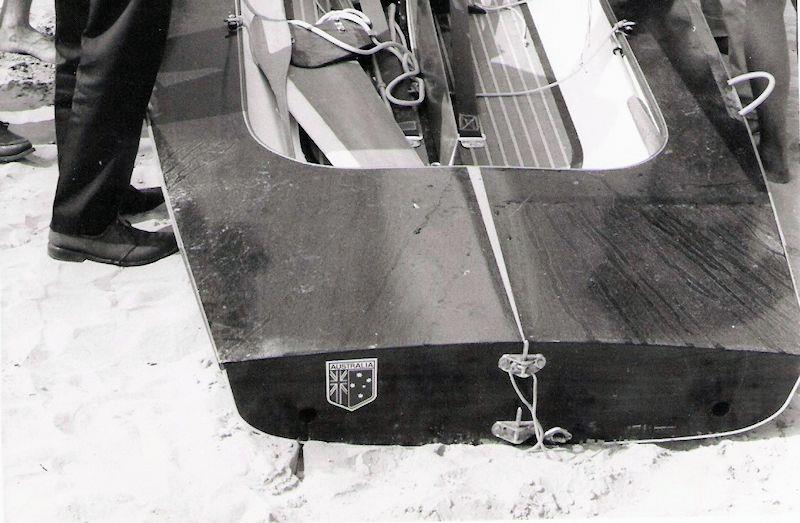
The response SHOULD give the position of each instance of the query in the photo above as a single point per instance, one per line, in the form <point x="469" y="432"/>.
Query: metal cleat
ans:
<point x="522" y="365"/>
<point x="233" y="22"/>
<point x="414" y="141"/>
<point x="470" y="142"/>
<point x="514" y="432"/>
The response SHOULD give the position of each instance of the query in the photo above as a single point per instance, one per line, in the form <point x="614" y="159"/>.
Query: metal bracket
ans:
<point x="414" y="141"/>
<point x="514" y="432"/>
<point x="522" y="365"/>
<point x="233" y="22"/>
<point x="517" y="431"/>
<point x="472" y="142"/>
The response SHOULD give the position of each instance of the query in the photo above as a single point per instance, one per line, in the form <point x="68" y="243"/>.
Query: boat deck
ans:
<point x="533" y="130"/>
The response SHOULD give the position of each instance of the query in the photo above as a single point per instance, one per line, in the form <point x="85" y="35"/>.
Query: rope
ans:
<point x="620" y="26"/>
<point x="538" y="430"/>
<point x="486" y="9"/>
<point x="762" y="97"/>
<point x="400" y="50"/>
<point x="478" y="187"/>
<point x="489" y="8"/>
<point x="407" y="59"/>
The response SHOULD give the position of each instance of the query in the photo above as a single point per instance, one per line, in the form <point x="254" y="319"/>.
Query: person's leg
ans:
<point x="735" y="17"/>
<point x="114" y="74"/>
<point x="766" y="50"/>
<point x="71" y="18"/>
<point x="712" y="9"/>
<point x="17" y="35"/>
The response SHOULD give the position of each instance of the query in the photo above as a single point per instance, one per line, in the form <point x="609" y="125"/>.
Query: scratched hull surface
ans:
<point x="660" y="294"/>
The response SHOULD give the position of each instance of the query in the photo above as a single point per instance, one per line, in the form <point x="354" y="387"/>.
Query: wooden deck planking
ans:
<point x="527" y="59"/>
<point x="682" y="250"/>
<point x="521" y="131"/>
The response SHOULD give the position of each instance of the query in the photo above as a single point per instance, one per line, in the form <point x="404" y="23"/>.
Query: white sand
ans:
<point x="113" y="409"/>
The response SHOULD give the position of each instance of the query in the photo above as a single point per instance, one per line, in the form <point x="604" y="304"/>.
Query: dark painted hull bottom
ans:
<point x="454" y="394"/>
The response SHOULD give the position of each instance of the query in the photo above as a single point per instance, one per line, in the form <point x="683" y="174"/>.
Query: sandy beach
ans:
<point x="114" y="408"/>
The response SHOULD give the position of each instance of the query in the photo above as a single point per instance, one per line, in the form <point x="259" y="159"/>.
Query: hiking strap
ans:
<point x="465" y="104"/>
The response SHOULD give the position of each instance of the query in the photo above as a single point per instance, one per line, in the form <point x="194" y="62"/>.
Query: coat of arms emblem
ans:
<point x="351" y="384"/>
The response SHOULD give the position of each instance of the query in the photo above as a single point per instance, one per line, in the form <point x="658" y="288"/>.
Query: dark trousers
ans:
<point x="109" y="52"/>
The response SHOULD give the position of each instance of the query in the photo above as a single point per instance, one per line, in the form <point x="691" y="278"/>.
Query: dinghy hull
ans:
<point x="660" y="293"/>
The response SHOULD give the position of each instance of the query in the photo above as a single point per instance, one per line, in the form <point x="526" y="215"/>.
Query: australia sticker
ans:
<point x="351" y="384"/>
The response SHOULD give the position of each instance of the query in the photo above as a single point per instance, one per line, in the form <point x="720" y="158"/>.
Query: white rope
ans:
<point x="407" y="60"/>
<point x="538" y="430"/>
<point x="510" y="6"/>
<point x="616" y="28"/>
<point x="482" y="198"/>
<point x="400" y="50"/>
<point x="762" y="97"/>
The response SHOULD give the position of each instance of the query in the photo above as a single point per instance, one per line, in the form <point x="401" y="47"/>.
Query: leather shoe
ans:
<point x="12" y="146"/>
<point x="137" y="201"/>
<point x="120" y="244"/>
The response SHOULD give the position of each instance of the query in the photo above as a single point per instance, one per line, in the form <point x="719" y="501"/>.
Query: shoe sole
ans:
<point x="15" y="157"/>
<point x="69" y="255"/>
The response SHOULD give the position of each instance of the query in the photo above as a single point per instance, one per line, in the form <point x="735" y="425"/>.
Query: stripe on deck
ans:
<point x="521" y="131"/>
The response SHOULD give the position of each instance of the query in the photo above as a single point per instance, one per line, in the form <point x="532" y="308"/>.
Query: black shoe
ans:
<point x="12" y="146"/>
<point x="120" y="244"/>
<point x="137" y="201"/>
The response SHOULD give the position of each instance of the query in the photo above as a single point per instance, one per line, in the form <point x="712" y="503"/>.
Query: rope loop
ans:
<point x="621" y="27"/>
<point x="762" y="97"/>
<point x="397" y="46"/>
